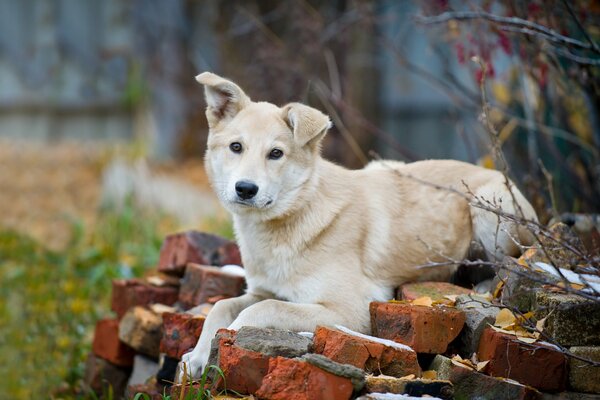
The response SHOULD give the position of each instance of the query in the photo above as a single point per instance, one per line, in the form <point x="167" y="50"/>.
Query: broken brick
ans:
<point x="479" y="313"/>
<point x="424" y="329"/>
<point x="207" y="284"/>
<point x="296" y="379"/>
<point x="470" y="384"/>
<point x="127" y="293"/>
<point x="434" y="290"/>
<point x="100" y="374"/>
<point x="195" y="247"/>
<point x="153" y="390"/>
<point x="510" y="358"/>
<point x="368" y="353"/>
<point x="180" y="333"/>
<point x="141" y="329"/>
<point x="108" y="346"/>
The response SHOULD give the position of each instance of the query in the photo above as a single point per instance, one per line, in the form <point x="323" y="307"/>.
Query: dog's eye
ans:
<point x="235" y="147"/>
<point x="275" y="154"/>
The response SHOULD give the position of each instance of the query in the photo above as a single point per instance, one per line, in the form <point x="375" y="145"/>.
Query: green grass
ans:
<point x="50" y="301"/>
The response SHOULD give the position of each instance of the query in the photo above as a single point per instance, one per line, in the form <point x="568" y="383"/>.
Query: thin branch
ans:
<point x="512" y="21"/>
<point x="580" y="26"/>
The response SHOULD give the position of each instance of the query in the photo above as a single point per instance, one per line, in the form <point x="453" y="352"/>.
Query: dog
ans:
<point x="320" y="242"/>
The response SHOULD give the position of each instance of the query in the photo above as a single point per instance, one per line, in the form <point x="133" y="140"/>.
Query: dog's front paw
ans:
<point x="191" y="365"/>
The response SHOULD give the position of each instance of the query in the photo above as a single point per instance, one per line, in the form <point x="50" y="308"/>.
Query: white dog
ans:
<point x="320" y="242"/>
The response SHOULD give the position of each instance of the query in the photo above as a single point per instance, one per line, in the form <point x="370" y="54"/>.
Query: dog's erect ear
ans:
<point x="224" y="99"/>
<point x="308" y="124"/>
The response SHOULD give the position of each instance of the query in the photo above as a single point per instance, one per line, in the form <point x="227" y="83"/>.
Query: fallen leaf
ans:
<point x="540" y="324"/>
<point x="505" y="318"/>
<point x="422" y="301"/>
<point x="481" y="365"/>
<point x="408" y="377"/>
<point x="431" y="374"/>
<point x="498" y="289"/>
<point x="451" y="297"/>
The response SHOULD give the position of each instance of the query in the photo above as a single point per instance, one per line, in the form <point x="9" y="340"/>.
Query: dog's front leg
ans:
<point x="221" y="316"/>
<point x="296" y="316"/>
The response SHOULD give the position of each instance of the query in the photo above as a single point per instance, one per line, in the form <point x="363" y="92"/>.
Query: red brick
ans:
<point x="141" y="329"/>
<point x="195" y="247"/>
<point x="180" y="333"/>
<point x="290" y="379"/>
<point x="207" y="284"/>
<point x="107" y="345"/>
<point x="425" y="329"/>
<point x="153" y="390"/>
<point x="372" y="356"/>
<point x="538" y="365"/>
<point x="434" y="290"/>
<point x="127" y="293"/>
<point x="99" y="374"/>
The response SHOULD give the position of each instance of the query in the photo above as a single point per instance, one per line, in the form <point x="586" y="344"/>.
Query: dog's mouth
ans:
<point x="252" y="204"/>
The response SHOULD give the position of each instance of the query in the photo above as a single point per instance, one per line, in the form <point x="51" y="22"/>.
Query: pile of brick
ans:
<point x="437" y="340"/>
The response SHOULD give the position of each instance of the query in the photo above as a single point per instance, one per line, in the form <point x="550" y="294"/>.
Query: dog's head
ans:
<point x="259" y="157"/>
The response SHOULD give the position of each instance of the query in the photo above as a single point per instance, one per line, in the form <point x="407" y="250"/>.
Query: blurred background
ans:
<point x="102" y="127"/>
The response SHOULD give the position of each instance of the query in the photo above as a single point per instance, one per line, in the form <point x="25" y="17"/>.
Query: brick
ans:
<point x="413" y="387"/>
<point x="195" y="247"/>
<point x="244" y="356"/>
<point x="366" y="352"/>
<point x="153" y="390"/>
<point x="100" y="374"/>
<point x="127" y="293"/>
<point x="180" y="333"/>
<point x="572" y="320"/>
<point x="584" y="377"/>
<point x="425" y="329"/>
<point x="107" y="345"/>
<point x="511" y="358"/>
<point x="206" y="284"/>
<point x="297" y="379"/>
<point x="434" y="290"/>
<point x="141" y="329"/>
<point x="470" y="384"/>
<point x="479" y="313"/>
<point x="521" y="285"/>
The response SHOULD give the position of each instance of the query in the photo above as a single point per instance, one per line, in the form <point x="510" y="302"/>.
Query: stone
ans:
<point x="107" y="345"/>
<point x="272" y="342"/>
<point x="521" y="284"/>
<point x="195" y="247"/>
<point x="587" y="228"/>
<point x="167" y="371"/>
<point x="510" y="358"/>
<point x="412" y="387"/>
<point x="296" y="379"/>
<point x="180" y="333"/>
<point x="552" y="250"/>
<point x="127" y="293"/>
<point x="570" y="396"/>
<point x="392" y="396"/>
<point x="425" y="329"/>
<point x="141" y="329"/>
<point x="206" y="284"/>
<point x="356" y="375"/>
<point x="479" y="314"/>
<point x="100" y="374"/>
<point x="144" y="368"/>
<point x="584" y="377"/>
<point x="571" y="320"/>
<point x="152" y="389"/>
<point x="469" y="384"/>
<point x="371" y="354"/>
<point x="434" y="290"/>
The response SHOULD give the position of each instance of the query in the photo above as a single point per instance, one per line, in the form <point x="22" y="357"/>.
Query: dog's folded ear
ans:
<point x="308" y="124"/>
<point x="224" y="99"/>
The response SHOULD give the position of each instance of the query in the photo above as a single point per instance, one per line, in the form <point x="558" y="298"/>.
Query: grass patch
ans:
<point x="50" y="300"/>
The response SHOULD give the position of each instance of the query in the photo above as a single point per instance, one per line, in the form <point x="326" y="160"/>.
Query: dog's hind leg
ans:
<point x="500" y="236"/>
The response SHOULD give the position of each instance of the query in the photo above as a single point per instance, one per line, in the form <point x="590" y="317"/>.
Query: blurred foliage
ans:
<point x="50" y="300"/>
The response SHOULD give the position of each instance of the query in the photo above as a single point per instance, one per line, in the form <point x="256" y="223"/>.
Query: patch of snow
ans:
<point x="309" y="335"/>
<point x="573" y="277"/>
<point x="232" y="269"/>
<point x="393" y="396"/>
<point x="385" y="342"/>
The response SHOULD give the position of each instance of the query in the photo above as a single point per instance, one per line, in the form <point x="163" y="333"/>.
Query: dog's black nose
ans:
<point x="246" y="190"/>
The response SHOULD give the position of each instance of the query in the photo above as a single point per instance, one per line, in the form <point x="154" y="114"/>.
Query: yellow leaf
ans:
<point x="422" y="301"/>
<point x="459" y="364"/>
<point x="486" y="162"/>
<point x="431" y="374"/>
<point x="501" y="92"/>
<point x="540" y="324"/>
<point x="451" y="297"/>
<point x="505" y="318"/>
<point x="408" y="377"/>
<point x="498" y="289"/>
<point x="481" y="365"/>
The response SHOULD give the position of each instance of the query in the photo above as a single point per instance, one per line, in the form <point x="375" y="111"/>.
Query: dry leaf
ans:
<point x="505" y="318"/>
<point x="481" y="365"/>
<point x="461" y="362"/>
<point x="422" y="301"/>
<point x="540" y="324"/>
<point x="451" y="297"/>
<point x="431" y="374"/>
<point x="498" y="289"/>
<point x="408" y="377"/>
